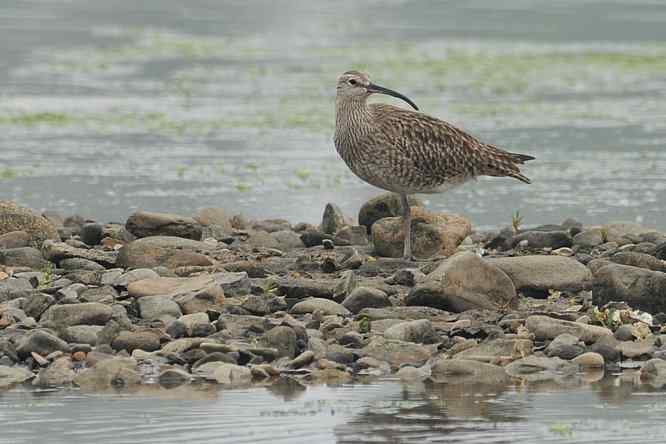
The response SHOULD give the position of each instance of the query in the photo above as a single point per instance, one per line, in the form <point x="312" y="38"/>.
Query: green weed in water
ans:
<point x="7" y="173"/>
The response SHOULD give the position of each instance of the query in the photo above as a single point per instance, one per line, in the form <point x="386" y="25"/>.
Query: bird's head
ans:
<point x="355" y="84"/>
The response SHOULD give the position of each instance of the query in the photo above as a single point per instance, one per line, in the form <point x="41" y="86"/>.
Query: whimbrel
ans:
<point x="409" y="152"/>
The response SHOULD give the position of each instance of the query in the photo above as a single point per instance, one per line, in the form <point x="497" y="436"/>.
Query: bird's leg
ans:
<point x="407" y="227"/>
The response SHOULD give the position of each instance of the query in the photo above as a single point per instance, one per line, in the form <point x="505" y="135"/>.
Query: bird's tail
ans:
<point x="506" y="164"/>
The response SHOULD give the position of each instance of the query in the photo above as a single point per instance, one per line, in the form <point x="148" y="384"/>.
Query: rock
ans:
<point x="626" y="332"/>
<point x="82" y="334"/>
<point x="333" y="219"/>
<point x="88" y="313"/>
<point x="640" y="288"/>
<point x="161" y="308"/>
<point x="420" y="331"/>
<point x="263" y="305"/>
<point x="173" y="377"/>
<point x="57" y="251"/>
<point x="606" y="347"/>
<point x="271" y="225"/>
<point x="14" y="239"/>
<point x="589" y="238"/>
<point x="565" y="346"/>
<point x="14" y="218"/>
<point x="37" y="303"/>
<point x="78" y="264"/>
<point x="382" y="206"/>
<point x="641" y="260"/>
<point x="396" y="353"/>
<point x="23" y="257"/>
<point x="654" y="371"/>
<point x="464" y="282"/>
<point x="132" y="340"/>
<point x="302" y="360"/>
<point x="104" y="295"/>
<point x="304" y="288"/>
<point x="312" y="238"/>
<point x="544" y="239"/>
<point x="589" y="360"/>
<point x="214" y="216"/>
<point x="230" y="374"/>
<point x="631" y="349"/>
<point x="535" y="368"/>
<point x="194" y="294"/>
<point x="40" y="342"/>
<point x="144" y="224"/>
<point x="327" y="307"/>
<point x="544" y="327"/>
<point x="197" y="323"/>
<point x="58" y="374"/>
<point x="92" y="233"/>
<point x="282" y="338"/>
<point x="543" y="273"/>
<point x="404" y="313"/>
<point x="432" y="234"/>
<point x="171" y="252"/>
<point x="287" y="240"/>
<point x="407" y="277"/>
<point x="114" y="372"/>
<point x="462" y="371"/>
<point x="10" y="376"/>
<point x="497" y="349"/>
<point x="366" y="297"/>
<point x="134" y="275"/>
<point x="351" y="235"/>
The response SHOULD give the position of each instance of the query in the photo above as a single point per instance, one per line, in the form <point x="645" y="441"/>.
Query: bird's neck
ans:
<point x="352" y="114"/>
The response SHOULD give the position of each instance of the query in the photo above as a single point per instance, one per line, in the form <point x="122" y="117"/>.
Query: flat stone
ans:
<point x="396" y="353"/>
<point x="134" y="275"/>
<point x="327" y="307"/>
<point x="14" y="239"/>
<point x="544" y="273"/>
<point x="144" y="224"/>
<point x="535" y="368"/>
<point x="432" y="234"/>
<point x="114" y="372"/>
<point x="41" y="342"/>
<point x="173" y="377"/>
<point x="23" y="257"/>
<point x="82" y="334"/>
<point x="544" y="239"/>
<point x="87" y="313"/>
<point x="366" y="297"/>
<point x="464" y="282"/>
<point x="193" y="294"/>
<point x="304" y="288"/>
<point x="10" y="376"/>
<point x="57" y="251"/>
<point x="465" y="371"/>
<point x="168" y="251"/>
<point x="589" y="360"/>
<point x="544" y="327"/>
<point x="497" y="348"/>
<point x="234" y="375"/>
<point x="640" y="288"/>
<point x="420" y="331"/>
<point x="78" y="264"/>
<point x="161" y="308"/>
<point x="133" y="340"/>
<point x="589" y="238"/>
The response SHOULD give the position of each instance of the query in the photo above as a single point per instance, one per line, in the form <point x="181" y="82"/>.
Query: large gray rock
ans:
<point x="193" y="294"/>
<point x="397" y="353"/>
<point x="168" y="251"/>
<point x="13" y="375"/>
<point x="420" y="331"/>
<point x="22" y="257"/>
<point x="87" y="313"/>
<point x="465" y="282"/>
<point x="134" y="275"/>
<point x="231" y="374"/>
<point x="214" y="217"/>
<point x="14" y="239"/>
<point x="161" y="308"/>
<point x="379" y="207"/>
<point x="82" y="334"/>
<point x="115" y="372"/>
<point x="565" y="346"/>
<point x="40" y="342"/>
<point x="327" y="307"/>
<point x="37" y="303"/>
<point x="146" y="340"/>
<point x="60" y="373"/>
<point x="537" y="239"/>
<point x="333" y="219"/>
<point x="365" y="297"/>
<point x="15" y="218"/>
<point x="465" y="371"/>
<point x="57" y="251"/>
<point x="545" y="327"/>
<point x="283" y="339"/>
<point x="496" y="349"/>
<point x="537" y="368"/>
<point x="433" y="234"/>
<point x="544" y="273"/>
<point x="640" y="288"/>
<point x="145" y="224"/>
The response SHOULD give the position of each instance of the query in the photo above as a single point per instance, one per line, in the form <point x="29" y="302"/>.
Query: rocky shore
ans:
<point x="172" y="300"/>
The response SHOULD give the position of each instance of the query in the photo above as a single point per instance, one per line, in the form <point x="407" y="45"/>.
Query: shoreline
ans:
<point x="217" y="298"/>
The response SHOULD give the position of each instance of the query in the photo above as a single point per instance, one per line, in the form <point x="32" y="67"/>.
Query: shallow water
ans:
<point x="107" y="107"/>
<point x="610" y="411"/>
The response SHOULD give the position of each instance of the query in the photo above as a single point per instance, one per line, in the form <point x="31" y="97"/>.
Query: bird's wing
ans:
<point x="438" y="149"/>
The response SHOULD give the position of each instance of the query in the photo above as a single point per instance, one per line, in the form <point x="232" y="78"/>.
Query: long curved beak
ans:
<point x="389" y="92"/>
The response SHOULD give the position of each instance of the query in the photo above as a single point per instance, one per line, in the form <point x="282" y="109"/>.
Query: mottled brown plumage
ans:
<point x="407" y="151"/>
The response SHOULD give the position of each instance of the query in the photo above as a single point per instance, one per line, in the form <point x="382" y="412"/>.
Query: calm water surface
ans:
<point x="107" y="107"/>
<point x="608" y="411"/>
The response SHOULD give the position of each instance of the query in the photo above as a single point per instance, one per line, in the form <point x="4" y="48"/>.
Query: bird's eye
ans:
<point x="352" y="82"/>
